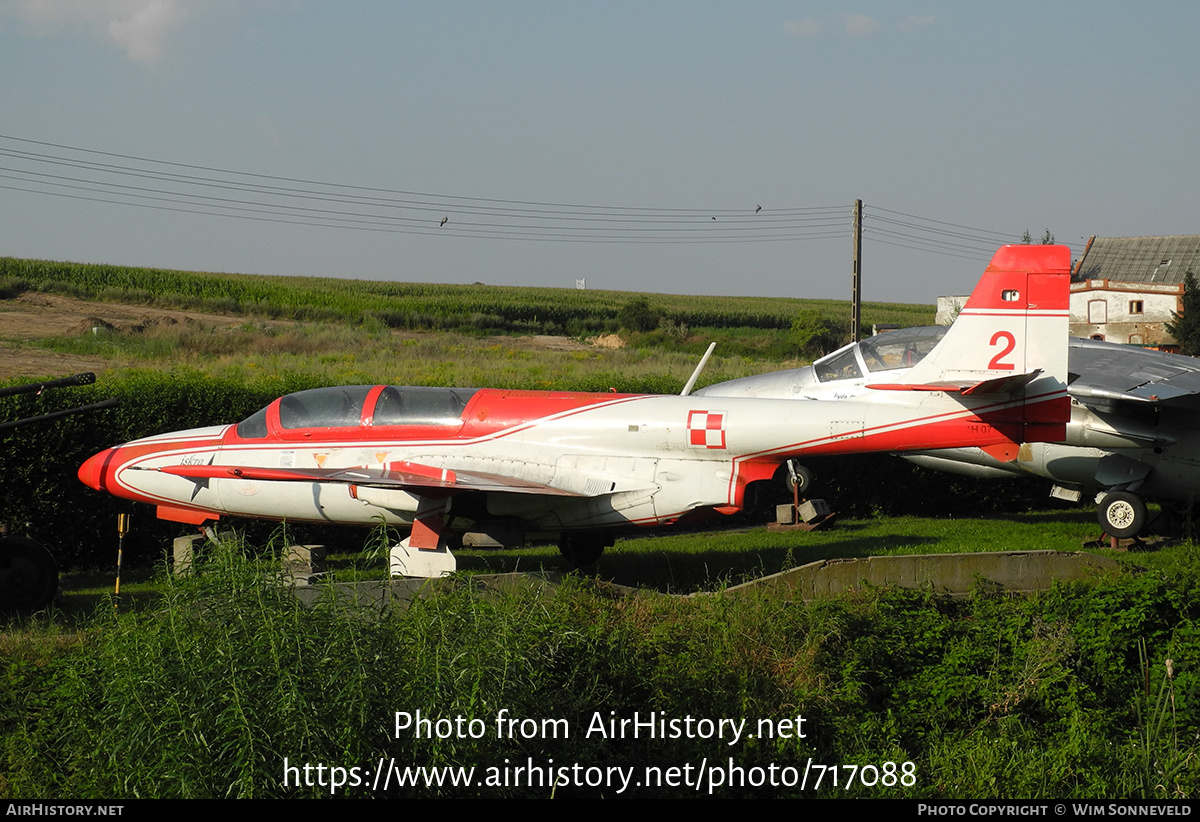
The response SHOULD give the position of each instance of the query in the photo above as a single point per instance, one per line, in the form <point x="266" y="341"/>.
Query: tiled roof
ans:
<point x="1140" y="259"/>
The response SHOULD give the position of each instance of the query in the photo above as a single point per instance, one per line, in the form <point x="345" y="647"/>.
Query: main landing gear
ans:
<point x="581" y="550"/>
<point x="1121" y="514"/>
<point x="427" y="553"/>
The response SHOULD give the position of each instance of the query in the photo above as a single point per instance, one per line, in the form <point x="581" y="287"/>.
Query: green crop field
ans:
<point x="348" y="331"/>
<point x="417" y="305"/>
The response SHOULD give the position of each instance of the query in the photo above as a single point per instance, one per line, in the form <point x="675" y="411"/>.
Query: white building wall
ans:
<point x="1107" y="310"/>
<point x="948" y="308"/>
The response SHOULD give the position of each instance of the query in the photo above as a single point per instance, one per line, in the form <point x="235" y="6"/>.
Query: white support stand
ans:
<point x="405" y="561"/>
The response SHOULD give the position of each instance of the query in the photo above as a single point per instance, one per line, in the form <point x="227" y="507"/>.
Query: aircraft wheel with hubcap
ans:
<point x="798" y="476"/>
<point x="28" y="575"/>
<point x="1121" y="514"/>
<point x="581" y="550"/>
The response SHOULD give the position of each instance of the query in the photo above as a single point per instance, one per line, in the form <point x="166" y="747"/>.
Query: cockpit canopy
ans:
<point x="356" y="406"/>
<point x="891" y="350"/>
<point x="888" y="351"/>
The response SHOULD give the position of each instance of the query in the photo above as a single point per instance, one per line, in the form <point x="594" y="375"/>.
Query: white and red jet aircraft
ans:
<point x="491" y="466"/>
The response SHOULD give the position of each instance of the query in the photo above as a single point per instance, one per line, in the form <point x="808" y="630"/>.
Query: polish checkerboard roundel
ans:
<point x="706" y="429"/>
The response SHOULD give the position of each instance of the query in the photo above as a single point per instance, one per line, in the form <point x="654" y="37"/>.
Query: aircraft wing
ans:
<point x="408" y="476"/>
<point x="1103" y="373"/>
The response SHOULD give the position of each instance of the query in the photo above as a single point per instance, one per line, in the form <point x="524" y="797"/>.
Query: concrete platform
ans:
<point x="952" y="574"/>
<point x="948" y="574"/>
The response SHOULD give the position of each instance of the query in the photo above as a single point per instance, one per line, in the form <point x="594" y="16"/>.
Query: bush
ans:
<point x="815" y="334"/>
<point x="206" y="694"/>
<point x="638" y="315"/>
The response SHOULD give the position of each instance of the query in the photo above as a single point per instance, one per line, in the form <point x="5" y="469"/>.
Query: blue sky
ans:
<point x="958" y="125"/>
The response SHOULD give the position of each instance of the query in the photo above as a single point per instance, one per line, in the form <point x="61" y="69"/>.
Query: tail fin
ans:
<point x="1011" y="335"/>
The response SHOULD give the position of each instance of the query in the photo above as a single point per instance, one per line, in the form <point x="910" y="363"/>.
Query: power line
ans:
<point x="110" y="178"/>
<point x="146" y="182"/>
<point x="933" y="242"/>
<point x="998" y="235"/>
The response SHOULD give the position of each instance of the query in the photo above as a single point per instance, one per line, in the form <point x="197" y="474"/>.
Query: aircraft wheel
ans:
<point x="28" y="575"/>
<point x="580" y="550"/>
<point x="797" y="475"/>
<point x="1121" y="514"/>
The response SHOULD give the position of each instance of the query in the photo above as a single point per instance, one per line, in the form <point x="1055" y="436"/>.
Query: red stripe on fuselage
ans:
<point x="490" y="412"/>
<point x="955" y="429"/>
<point x="493" y="411"/>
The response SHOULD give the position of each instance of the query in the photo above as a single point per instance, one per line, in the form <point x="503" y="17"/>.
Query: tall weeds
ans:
<point x="207" y="694"/>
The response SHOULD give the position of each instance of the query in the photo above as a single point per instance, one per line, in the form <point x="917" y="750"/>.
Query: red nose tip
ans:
<point x="94" y="472"/>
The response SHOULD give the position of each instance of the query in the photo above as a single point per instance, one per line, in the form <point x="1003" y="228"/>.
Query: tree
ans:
<point x="1047" y="238"/>
<point x="816" y="334"/>
<point x="638" y="315"/>
<point x="1185" y="327"/>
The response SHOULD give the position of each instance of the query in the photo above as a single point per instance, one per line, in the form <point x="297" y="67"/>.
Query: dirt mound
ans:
<point x="608" y="341"/>
<point x="36" y="315"/>
<point x="545" y="342"/>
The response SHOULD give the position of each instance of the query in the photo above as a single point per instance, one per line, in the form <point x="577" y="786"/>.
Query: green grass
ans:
<point x="206" y="693"/>
<point x="340" y="355"/>
<point x="684" y="562"/>
<point x="705" y="560"/>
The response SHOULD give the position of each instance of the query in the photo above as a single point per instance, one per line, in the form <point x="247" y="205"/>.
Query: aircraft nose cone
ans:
<point x="94" y="473"/>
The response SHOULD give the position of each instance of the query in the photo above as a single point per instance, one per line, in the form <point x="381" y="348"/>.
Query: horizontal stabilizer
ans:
<point x="996" y="386"/>
<point x="1107" y="372"/>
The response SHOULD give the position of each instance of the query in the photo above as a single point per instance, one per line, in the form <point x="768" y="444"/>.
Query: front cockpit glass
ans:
<point x="840" y="366"/>
<point x="421" y="406"/>
<point x="342" y="407"/>
<point x="254" y="427"/>
<point x="902" y="348"/>
<point x="337" y="407"/>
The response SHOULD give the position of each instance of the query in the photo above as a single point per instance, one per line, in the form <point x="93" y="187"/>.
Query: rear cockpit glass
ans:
<point x="421" y="406"/>
<point x="903" y="348"/>
<point x="338" y="407"/>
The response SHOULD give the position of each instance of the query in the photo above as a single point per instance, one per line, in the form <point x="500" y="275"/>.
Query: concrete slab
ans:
<point x="953" y="574"/>
<point x="949" y="574"/>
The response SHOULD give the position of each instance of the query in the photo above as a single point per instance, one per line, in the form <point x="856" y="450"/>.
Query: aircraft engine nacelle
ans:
<point x="1092" y="429"/>
<point x="961" y="468"/>
<point x="1087" y="467"/>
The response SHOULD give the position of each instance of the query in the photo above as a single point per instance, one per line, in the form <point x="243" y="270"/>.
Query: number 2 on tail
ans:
<point x="1009" y="342"/>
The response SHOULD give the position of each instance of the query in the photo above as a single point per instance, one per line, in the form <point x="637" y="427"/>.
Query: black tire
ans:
<point x="1121" y="514"/>
<point x="581" y="550"/>
<point x="28" y="576"/>
<point x="803" y="477"/>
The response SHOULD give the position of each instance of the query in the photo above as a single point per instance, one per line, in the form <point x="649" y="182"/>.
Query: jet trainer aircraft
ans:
<point x="495" y="467"/>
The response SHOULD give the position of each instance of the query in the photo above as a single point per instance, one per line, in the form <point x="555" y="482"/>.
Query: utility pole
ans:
<point x="856" y="288"/>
